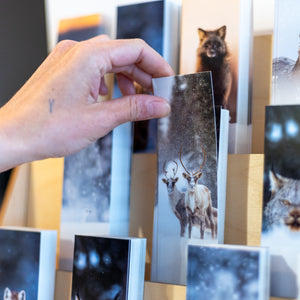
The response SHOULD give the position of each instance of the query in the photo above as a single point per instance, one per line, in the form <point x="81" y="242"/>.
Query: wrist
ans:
<point x="13" y="149"/>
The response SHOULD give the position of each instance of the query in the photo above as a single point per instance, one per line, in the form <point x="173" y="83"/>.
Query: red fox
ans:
<point x="11" y="295"/>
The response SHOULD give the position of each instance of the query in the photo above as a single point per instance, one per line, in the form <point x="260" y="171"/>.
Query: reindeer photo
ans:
<point x="198" y="201"/>
<point x="186" y="207"/>
<point x="176" y="198"/>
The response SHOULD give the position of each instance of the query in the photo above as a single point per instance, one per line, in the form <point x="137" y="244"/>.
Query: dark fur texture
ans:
<point x="212" y="55"/>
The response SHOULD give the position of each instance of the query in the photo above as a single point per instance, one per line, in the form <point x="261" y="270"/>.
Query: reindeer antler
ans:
<point x="202" y="162"/>
<point x="182" y="162"/>
<point x="193" y="173"/>
<point x="175" y="169"/>
<point x="164" y="169"/>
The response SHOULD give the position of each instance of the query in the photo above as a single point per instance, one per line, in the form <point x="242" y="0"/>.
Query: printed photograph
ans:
<point x="281" y="198"/>
<point x="100" y="268"/>
<point x="210" y="43"/>
<point x="282" y="168"/>
<point x="144" y="21"/>
<point x="186" y="204"/>
<point x="19" y="264"/>
<point x="86" y="184"/>
<point x="220" y="273"/>
<point x="187" y="149"/>
<point x="217" y="36"/>
<point x="87" y="174"/>
<point x="286" y="63"/>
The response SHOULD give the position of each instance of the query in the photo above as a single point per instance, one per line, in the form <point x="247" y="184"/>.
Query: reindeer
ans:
<point x="176" y="198"/>
<point x="198" y="200"/>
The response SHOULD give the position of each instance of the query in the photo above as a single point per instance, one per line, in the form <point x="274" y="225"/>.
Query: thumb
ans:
<point x="135" y="108"/>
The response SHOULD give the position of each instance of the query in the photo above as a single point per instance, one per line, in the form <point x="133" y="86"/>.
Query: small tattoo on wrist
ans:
<point x="51" y="103"/>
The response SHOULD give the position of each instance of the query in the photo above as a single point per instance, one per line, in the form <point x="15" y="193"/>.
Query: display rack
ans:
<point x="40" y="205"/>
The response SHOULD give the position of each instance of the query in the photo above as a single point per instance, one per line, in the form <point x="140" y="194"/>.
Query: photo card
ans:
<point x="108" y="268"/>
<point x="144" y="21"/>
<point x="281" y="198"/>
<point x="186" y="206"/>
<point x="92" y="201"/>
<point x="216" y="36"/>
<point x="227" y="272"/>
<point x="27" y="263"/>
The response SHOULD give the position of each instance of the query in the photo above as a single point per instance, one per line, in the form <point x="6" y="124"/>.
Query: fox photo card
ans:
<point x="281" y="198"/>
<point x="92" y="176"/>
<point x="227" y="272"/>
<point x="286" y="49"/>
<point x="216" y="37"/>
<point x="186" y="206"/>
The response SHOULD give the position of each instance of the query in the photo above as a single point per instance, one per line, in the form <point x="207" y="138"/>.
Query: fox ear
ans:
<point x="222" y="32"/>
<point x="276" y="181"/>
<point x="202" y="34"/>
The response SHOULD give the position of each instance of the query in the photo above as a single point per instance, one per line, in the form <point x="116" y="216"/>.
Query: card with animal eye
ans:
<point x="108" y="268"/>
<point x="189" y="204"/>
<point x="281" y="198"/>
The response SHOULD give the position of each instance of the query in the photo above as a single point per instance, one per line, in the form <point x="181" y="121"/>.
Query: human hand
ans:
<point x="56" y="112"/>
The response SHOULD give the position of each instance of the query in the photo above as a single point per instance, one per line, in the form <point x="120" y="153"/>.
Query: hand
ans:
<point x="56" y="112"/>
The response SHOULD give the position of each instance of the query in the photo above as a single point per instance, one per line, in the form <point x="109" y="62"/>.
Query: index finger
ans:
<point x="125" y="55"/>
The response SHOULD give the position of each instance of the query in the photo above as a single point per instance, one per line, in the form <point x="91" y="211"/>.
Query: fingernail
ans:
<point x="158" y="109"/>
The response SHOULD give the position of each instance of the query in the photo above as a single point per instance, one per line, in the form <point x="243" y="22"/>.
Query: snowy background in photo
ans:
<point x="219" y="273"/>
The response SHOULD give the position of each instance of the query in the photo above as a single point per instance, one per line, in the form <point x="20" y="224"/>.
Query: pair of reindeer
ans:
<point x="194" y="207"/>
